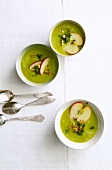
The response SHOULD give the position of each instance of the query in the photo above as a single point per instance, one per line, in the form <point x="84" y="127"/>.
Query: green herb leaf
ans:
<point x="39" y="56"/>
<point x="79" y="132"/>
<point x="37" y="70"/>
<point x="78" y="123"/>
<point x="83" y="125"/>
<point x="92" y="127"/>
<point x="66" y="131"/>
<point x="65" y="35"/>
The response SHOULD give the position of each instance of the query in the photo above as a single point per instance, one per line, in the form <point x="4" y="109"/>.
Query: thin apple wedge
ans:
<point x="75" y="109"/>
<point x="37" y="63"/>
<point x="85" y="114"/>
<point x="43" y="65"/>
<point x="76" y="39"/>
<point x="71" y="48"/>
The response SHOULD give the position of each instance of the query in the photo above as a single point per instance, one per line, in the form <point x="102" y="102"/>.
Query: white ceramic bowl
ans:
<point x="76" y="145"/>
<point x="19" y="58"/>
<point x="65" y="22"/>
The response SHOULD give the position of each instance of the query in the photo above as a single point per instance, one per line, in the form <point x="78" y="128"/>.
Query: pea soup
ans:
<point x="79" y="122"/>
<point x="39" y="64"/>
<point x="67" y="38"/>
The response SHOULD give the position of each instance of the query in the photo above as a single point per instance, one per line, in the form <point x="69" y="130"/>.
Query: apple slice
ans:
<point x="76" y="38"/>
<point x="71" y="48"/>
<point x="85" y="114"/>
<point x="43" y="65"/>
<point x="75" y="109"/>
<point x="37" y="63"/>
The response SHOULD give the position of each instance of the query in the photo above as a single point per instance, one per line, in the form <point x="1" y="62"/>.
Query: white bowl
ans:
<point x="76" y="145"/>
<point x="78" y="27"/>
<point x="19" y="58"/>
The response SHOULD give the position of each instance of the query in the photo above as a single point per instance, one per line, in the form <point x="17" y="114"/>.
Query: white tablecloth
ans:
<point x="87" y="75"/>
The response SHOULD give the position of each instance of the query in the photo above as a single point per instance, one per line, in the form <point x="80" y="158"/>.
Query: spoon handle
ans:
<point x="38" y="95"/>
<point x="37" y="118"/>
<point x="41" y="101"/>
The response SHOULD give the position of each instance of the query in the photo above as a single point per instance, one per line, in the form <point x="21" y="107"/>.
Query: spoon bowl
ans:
<point x="14" y="107"/>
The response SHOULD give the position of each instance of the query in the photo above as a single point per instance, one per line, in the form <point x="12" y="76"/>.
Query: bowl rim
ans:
<point x="51" y="31"/>
<point x="76" y="145"/>
<point x="18" y="66"/>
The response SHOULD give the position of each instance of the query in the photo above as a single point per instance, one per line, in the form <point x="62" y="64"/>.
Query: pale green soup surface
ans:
<point x="27" y="60"/>
<point x="88" y="133"/>
<point x="73" y="27"/>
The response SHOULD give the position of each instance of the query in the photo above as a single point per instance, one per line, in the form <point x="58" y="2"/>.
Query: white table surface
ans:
<point x="35" y="146"/>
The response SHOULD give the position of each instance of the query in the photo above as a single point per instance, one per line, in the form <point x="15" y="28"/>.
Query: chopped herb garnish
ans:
<point x="78" y="127"/>
<point x="83" y="125"/>
<point x="78" y="123"/>
<point x="39" y="56"/>
<point x="83" y="130"/>
<point x="66" y="131"/>
<point x="79" y="132"/>
<point x="65" y="35"/>
<point x="65" y="30"/>
<point x="92" y="127"/>
<point x="37" y="70"/>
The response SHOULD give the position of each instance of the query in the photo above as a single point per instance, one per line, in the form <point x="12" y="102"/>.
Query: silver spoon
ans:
<point x="14" y="107"/>
<point x="37" y="118"/>
<point x="7" y="95"/>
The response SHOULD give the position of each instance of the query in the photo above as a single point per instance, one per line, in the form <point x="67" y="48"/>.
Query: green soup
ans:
<point x="73" y="27"/>
<point x="89" y="130"/>
<point x="39" y="52"/>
